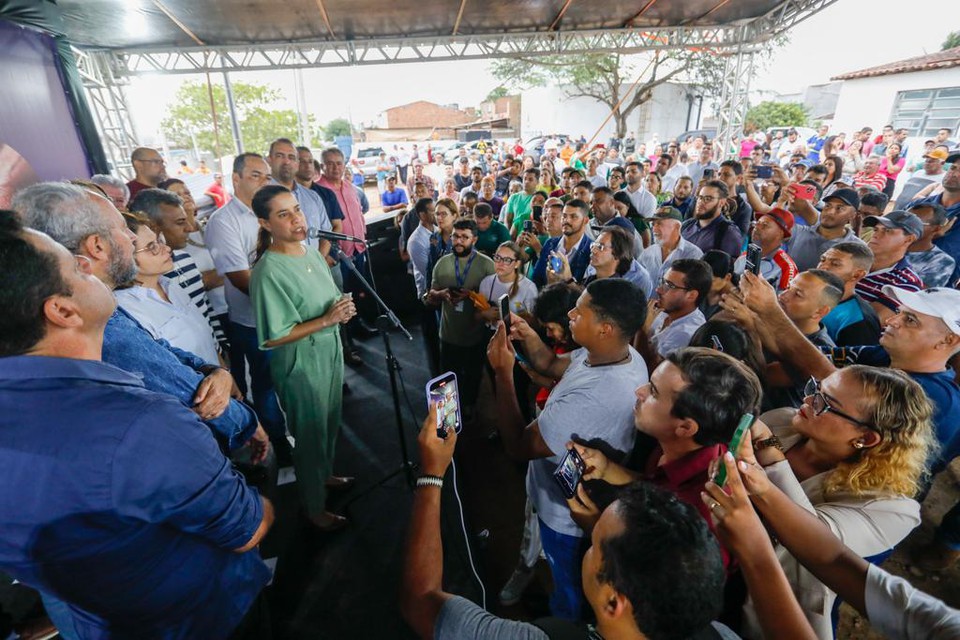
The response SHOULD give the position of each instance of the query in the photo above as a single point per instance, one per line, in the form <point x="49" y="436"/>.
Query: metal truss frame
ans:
<point x="105" y="90"/>
<point x="734" y="100"/>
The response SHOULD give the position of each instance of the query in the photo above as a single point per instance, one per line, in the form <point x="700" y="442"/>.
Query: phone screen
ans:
<point x="764" y="171"/>
<point x="745" y="423"/>
<point x="556" y="264"/>
<point x="753" y="258"/>
<point x="709" y="173"/>
<point x="442" y="390"/>
<point x="568" y="472"/>
<point x="537" y="212"/>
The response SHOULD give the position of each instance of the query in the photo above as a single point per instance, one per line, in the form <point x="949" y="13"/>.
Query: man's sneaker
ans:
<point x="516" y="585"/>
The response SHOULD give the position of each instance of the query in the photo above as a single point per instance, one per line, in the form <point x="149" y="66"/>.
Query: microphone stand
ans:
<point x="386" y="323"/>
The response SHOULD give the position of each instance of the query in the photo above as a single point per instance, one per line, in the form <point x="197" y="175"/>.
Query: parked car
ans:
<point x="364" y="158"/>
<point x="472" y="147"/>
<point x="709" y="134"/>
<point x="534" y="146"/>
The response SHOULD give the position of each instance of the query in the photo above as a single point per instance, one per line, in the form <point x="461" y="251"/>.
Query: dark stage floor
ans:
<point x="345" y="584"/>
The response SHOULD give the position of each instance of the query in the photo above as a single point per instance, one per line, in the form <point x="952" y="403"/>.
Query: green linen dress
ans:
<point x="308" y="374"/>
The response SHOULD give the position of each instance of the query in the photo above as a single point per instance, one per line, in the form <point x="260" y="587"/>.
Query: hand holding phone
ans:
<point x="804" y="191"/>
<point x="569" y="472"/>
<point x="764" y="171"/>
<point x="504" y="303"/>
<point x="753" y="258"/>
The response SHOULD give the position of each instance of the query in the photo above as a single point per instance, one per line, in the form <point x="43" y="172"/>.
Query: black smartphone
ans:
<point x="708" y="174"/>
<point x="569" y="472"/>
<point x="456" y="290"/>
<point x="504" y="302"/>
<point x="764" y="171"/>
<point x="443" y="391"/>
<point x="537" y="212"/>
<point x="753" y="257"/>
<point x="528" y="226"/>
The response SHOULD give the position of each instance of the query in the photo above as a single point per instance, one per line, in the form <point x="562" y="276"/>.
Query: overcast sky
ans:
<point x="848" y="35"/>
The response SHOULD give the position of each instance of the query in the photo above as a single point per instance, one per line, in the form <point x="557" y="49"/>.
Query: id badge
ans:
<point x="458" y="307"/>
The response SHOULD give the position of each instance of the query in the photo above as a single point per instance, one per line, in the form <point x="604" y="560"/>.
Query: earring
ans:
<point x="858" y="445"/>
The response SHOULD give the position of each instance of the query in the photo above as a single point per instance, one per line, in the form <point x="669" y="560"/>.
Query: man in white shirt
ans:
<point x="643" y="201"/>
<point x="668" y="244"/>
<point x="231" y="236"/>
<point x="418" y="244"/>
<point x="679" y="293"/>
<point x="704" y="163"/>
<point x="669" y="171"/>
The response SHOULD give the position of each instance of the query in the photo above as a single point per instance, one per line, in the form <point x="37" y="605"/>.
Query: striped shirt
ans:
<point x="900" y="275"/>
<point x="778" y="268"/>
<point x="877" y="180"/>
<point x="188" y="276"/>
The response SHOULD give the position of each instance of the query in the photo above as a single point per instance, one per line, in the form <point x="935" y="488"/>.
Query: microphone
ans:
<point x="313" y="234"/>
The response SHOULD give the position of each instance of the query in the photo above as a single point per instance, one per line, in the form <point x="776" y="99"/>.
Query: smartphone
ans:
<point x="456" y="290"/>
<point x="753" y="259"/>
<point x="708" y="174"/>
<point x="556" y="264"/>
<point x="537" y="214"/>
<point x="528" y="226"/>
<point x="569" y="472"/>
<point x="764" y="171"/>
<point x="443" y="391"/>
<point x="745" y="423"/>
<point x="804" y="191"/>
<point x="521" y="358"/>
<point x="504" y="302"/>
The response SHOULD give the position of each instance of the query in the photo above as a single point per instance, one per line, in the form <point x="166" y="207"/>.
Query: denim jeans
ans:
<point x="564" y="554"/>
<point x="244" y="346"/>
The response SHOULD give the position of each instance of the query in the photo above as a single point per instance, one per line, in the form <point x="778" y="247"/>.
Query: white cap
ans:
<point x="939" y="302"/>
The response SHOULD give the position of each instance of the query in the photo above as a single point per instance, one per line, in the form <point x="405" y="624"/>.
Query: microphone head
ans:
<point x="313" y="233"/>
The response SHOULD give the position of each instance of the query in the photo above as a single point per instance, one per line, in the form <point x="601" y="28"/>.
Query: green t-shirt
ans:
<point x="457" y="323"/>
<point x="517" y="204"/>
<point x="495" y="235"/>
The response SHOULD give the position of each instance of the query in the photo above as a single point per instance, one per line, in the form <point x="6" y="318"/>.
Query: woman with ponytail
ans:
<point x="297" y="308"/>
<point x="508" y="279"/>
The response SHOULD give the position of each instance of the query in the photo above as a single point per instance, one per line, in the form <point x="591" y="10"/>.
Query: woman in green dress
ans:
<point x="298" y="308"/>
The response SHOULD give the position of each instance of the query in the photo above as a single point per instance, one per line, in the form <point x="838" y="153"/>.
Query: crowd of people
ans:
<point x="658" y="296"/>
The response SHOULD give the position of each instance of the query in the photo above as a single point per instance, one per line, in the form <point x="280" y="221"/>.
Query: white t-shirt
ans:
<point x="897" y="610"/>
<point x="522" y="301"/>
<point x="591" y="403"/>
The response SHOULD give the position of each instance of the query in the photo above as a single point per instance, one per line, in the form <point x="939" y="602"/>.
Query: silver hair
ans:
<point x="65" y="212"/>
<point x="106" y="180"/>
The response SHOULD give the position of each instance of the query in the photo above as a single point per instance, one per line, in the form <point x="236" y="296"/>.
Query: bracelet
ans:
<point x="772" y="441"/>
<point x="430" y="481"/>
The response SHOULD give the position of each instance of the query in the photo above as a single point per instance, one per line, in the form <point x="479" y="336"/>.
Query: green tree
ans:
<point x="497" y="93"/>
<point x="607" y="77"/>
<point x="338" y="127"/>
<point x="775" y="114"/>
<point x="260" y="123"/>
<point x="953" y="40"/>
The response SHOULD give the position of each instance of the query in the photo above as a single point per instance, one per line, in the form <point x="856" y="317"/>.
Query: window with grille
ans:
<point x="922" y="112"/>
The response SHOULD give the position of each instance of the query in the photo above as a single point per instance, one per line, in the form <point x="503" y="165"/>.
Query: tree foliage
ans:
<point x="775" y="114"/>
<point x="260" y="122"/>
<point x="953" y="40"/>
<point x="607" y="77"/>
<point x="497" y="93"/>
<point x="337" y="127"/>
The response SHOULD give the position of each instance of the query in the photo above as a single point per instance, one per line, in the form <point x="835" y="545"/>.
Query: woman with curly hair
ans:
<point x="854" y="454"/>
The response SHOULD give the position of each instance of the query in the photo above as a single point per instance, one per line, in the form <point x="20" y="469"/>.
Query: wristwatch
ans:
<point x="772" y="441"/>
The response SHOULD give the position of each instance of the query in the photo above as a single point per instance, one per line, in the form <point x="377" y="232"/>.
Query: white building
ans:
<point x="546" y="110"/>
<point x="921" y="94"/>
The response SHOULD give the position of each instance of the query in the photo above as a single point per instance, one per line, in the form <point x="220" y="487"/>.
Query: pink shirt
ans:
<point x="891" y="172"/>
<point x="353" y="221"/>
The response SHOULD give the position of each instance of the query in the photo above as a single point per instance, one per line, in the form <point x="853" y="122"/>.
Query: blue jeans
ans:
<point x="564" y="554"/>
<point x="244" y="346"/>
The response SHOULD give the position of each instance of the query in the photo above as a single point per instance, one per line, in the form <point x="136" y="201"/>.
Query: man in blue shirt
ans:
<point x="116" y="499"/>
<point x="949" y="200"/>
<point x="393" y="198"/>
<point x="96" y="230"/>
<point x="574" y="244"/>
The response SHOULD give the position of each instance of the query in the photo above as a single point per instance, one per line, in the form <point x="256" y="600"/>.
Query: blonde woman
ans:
<point x="854" y="454"/>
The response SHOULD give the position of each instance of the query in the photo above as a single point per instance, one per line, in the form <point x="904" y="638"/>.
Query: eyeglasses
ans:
<point x="154" y="248"/>
<point x="599" y="246"/>
<point x="707" y="198"/>
<point x="504" y="260"/>
<point x="669" y="286"/>
<point x="820" y="405"/>
<point x="155" y="161"/>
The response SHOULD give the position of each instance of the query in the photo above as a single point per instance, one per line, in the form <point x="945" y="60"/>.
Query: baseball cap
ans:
<point x="937" y="154"/>
<point x="783" y="218"/>
<point x="668" y="213"/>
<point x="897" y="219"/>
<point x="940" y="302"/>
<point x="847" y="196"/>
<point x="954" y="156"/>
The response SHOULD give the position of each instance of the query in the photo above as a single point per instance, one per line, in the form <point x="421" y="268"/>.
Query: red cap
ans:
<point x="783" y="218"/>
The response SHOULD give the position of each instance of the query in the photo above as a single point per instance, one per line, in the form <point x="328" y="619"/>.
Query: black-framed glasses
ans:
<point x="504" y="259"/>
<point x="669" y="286"/>
<point x="821" y="405"/>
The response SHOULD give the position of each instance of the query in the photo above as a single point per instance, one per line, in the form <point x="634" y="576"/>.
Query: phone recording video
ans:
<point x="537" y="213"/>
<point x="569" y="472"/>
<point x="556" y="264"/>
<point x="753" y="257"/>
<point x="504" y="302"/>
<point x="442" y="390"/>
<point x="528" y="226"/>
<point x="764" y="171"/>
<point x="746" y="421"/>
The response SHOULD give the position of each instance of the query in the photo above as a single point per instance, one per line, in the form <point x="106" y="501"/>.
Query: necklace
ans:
<point x="309" y="268"/>
<point x="607" y="364"/>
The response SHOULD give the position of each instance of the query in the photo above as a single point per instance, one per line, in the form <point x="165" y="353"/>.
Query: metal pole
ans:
<point x="234" y="121"/>
<point x="216" y="125"/>
<point x="302" y="119"/>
